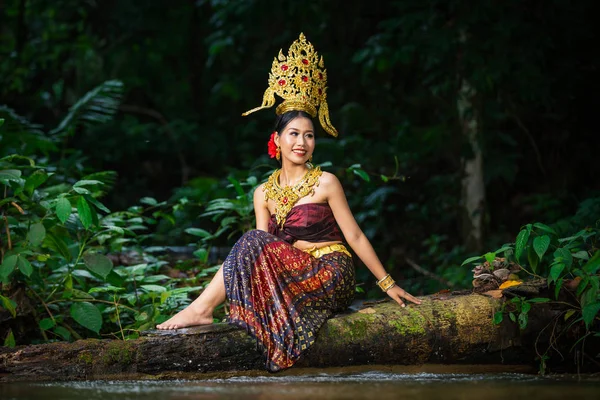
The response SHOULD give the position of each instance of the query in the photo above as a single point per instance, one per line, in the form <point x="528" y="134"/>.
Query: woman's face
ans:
<point x="297" y="140"/>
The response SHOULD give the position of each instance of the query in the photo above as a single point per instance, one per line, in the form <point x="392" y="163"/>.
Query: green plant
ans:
<point x="570" y="267"/>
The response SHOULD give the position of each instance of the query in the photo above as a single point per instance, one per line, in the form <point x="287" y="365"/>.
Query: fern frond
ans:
<point x="98" y="106"/>
<point x="18" y="135"/>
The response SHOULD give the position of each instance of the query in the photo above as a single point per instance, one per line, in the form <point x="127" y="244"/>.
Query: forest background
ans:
<point x="460" y="122"/>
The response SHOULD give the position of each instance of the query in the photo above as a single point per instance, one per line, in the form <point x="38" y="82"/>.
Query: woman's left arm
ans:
<point x="355" y="236"/>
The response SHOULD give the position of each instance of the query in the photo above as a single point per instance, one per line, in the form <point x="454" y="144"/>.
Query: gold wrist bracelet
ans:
<point x="386" y="283"/>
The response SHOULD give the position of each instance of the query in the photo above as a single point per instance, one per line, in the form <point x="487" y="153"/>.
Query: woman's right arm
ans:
<point x="261" y="211"/>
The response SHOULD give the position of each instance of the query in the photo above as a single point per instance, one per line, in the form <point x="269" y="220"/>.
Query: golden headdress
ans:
<point x="301" y="80"/>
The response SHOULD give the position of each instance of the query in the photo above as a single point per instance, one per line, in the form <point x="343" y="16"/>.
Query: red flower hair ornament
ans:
<point x="273" y="149"/>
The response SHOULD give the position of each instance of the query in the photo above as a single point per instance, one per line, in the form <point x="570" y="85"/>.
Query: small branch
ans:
<point x="18" y="207"/>
<point x="8" y="239"/>
<point x="427" y="273"/>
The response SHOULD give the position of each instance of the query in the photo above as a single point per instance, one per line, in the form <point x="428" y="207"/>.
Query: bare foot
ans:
<point x="187" y="317"/>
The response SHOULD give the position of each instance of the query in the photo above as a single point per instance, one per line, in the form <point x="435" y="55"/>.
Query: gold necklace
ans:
<point x="286" y="197"/>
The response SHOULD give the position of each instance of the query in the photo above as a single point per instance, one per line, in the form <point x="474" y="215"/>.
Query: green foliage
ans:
<point x="569" y="265"/>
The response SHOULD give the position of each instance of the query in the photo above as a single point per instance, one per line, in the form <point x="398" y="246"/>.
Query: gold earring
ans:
<point x="278" y="153"/>
<point x="310" y="159"/>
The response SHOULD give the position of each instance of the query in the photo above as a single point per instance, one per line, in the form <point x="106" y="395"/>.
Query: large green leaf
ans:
<point x="85" y="214"/>
<point x="87" y="315"/>
<point x="36" y="234"/>
<point x="47" y="323"/>
<point x="7" y="175"/>
<point x="521" y="242"/>
<point x="563" y="255"/>
<point x="9" y="341"/>
<point x="541" y="244"/>
<point x="35" y="180"/>
<point x="24" y="266"/>
<point x="95" y="202"/>
<point x="198" y="232"/>
<point x="98" y="263"/>
<point x="8" y="266"/>
<point x="63" y="209"/>
<point x="532" y="259"/>
<point x="555" y="271"/>
<point x="98" y="106"/>
<point x="589" y="312"/>
<point x="592" y="266"/>
<point x="56" y="242"/>
<point x="544" y="228"/>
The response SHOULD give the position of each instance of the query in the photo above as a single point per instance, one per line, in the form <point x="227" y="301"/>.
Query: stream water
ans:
<point x="351" y="383"/>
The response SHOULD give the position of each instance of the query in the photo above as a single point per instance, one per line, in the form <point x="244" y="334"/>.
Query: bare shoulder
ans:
<point x="329" y="180"/>
<point x="259" y="193"/>
<point x="329" y="184"/>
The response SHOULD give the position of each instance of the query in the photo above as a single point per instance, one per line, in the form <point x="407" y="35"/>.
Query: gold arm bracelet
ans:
<point x="386" y="283"/>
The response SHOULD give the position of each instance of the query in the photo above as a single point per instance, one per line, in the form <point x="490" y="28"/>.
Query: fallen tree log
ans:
<point x="444" y="329"/>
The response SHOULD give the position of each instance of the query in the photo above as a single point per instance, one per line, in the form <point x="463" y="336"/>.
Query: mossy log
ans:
<point x="452" y="329"/>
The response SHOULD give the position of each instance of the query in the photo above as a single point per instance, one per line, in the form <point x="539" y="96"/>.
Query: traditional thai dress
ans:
<point x="282" y="295"/>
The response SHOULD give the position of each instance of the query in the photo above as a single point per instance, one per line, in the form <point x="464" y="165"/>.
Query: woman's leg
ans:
<point x="200" y="311"/>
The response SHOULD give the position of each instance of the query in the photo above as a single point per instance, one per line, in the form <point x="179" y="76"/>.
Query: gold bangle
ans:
<point x="386" y="283"/>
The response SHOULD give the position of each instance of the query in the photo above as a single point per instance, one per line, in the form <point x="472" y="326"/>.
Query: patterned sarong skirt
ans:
<point x="282" y="295"/>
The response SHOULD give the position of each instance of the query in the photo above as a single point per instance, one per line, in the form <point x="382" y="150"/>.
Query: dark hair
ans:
<point x="284" y="119"/>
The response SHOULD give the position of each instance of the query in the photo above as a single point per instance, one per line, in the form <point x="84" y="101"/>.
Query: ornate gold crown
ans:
<point x="301" y="80"/>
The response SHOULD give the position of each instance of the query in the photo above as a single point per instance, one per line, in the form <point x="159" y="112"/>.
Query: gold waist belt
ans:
<point x="321" y="251"/>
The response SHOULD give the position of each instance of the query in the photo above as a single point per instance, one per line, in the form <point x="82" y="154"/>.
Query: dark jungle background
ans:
<point x="127" y="169"/>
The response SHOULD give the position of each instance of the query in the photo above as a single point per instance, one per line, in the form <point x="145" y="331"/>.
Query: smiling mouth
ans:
<point x="299" y="152"/>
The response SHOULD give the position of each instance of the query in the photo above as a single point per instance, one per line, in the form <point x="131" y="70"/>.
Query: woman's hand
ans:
<point x="397" y="293"/>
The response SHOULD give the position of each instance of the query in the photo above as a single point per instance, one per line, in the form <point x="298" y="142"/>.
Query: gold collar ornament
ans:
<point x="286" y="197"/>
<point x="301" y="80"/>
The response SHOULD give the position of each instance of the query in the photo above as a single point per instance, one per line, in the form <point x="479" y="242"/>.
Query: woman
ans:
<point x="286" y="277"/>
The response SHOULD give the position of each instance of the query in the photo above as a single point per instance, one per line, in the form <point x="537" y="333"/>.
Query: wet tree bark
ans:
<point x="455" y="329"/>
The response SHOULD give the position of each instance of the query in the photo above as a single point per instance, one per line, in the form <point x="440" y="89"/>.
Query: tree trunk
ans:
<point x="455" y="329"/>
<point x="472" y="185"/>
